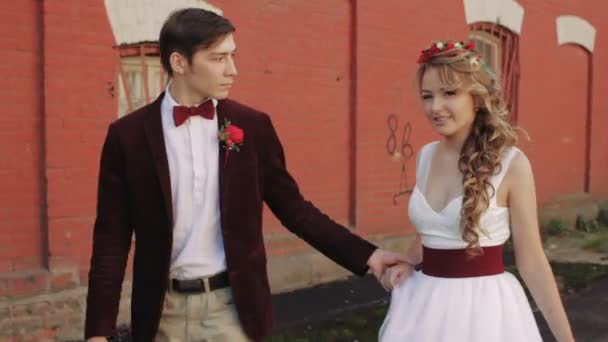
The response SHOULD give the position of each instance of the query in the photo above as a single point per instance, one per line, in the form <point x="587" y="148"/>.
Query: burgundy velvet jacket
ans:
<point x="134" y="196"/>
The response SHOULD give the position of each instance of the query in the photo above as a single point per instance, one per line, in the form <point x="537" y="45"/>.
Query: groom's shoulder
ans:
<point x="241" y="111"/>
<point x="136" y="118"/>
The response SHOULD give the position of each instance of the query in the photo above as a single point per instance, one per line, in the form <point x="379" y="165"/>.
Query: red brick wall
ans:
<point x="595" y="14"/>
<point x="57" y="67"/>
<point x="329" y="72"/>
<point x="318" y="51"/>
<point x="20" y="138"/>
<point x="556" y="123"/>
<point x="80" y="67"/>
<point x="299" y="72"/>
<point x="553" y="103"/>
<point x="389" y="41"/>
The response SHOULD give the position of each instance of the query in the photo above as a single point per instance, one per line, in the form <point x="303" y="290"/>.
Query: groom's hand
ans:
<point x="396" y="276"/>
<point x="381" y="259"/>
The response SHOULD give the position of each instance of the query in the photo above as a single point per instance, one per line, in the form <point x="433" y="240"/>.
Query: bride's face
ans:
<point x="450" y="110"/>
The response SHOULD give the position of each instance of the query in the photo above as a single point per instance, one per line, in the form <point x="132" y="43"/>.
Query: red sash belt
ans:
<point x="457" y="263"/>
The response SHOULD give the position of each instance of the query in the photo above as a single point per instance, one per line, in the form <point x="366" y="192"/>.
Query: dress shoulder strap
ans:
<point x="424" y="162"/>
<point x="497" y="178"/>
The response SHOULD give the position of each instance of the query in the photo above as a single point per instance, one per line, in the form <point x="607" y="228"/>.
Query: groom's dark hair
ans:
<point x="188" y="30"/>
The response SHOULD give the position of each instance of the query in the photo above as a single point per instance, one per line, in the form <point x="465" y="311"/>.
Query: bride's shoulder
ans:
<point x="424" y="148"/>
<point x="428" y="146"/>
<point x="518" y="167"/>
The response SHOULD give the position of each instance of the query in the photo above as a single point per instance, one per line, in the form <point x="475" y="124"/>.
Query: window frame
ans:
<point x="507" y="65"/>
<point x="148" y="55"/>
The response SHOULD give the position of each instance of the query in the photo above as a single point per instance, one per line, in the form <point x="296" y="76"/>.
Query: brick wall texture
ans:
<point x="331" y="74"/>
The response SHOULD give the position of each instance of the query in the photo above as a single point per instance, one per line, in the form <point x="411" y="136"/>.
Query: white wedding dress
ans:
<point x="489" y="308"/>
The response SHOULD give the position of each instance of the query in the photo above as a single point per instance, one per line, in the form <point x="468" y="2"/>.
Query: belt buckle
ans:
<point x="189" y="286"/>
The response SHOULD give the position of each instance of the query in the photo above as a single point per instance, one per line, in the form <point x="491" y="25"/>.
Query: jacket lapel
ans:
<point x="223" y="166"/>
<point x="154" y="134"/>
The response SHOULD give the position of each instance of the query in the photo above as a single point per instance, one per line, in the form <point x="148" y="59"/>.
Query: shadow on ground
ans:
<point x="353" y="310"/>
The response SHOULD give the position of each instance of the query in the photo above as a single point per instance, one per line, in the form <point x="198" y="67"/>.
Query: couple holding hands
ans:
<point x="188" y="175"/>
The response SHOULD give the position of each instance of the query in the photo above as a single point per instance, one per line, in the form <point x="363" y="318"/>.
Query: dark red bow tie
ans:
<point x="182" y="113"/>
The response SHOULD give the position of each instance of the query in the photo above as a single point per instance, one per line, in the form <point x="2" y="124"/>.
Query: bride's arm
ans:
<point x="414" y="252"/>
<point x="399" y="273"/>
<point x="413" y="255"/>
<point x="530" y="257"/>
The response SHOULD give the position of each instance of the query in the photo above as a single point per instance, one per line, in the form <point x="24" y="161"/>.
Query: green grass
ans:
<point x="597" y="242"/>
<point x="556" y="228"/>
<point x="595" y="239"/>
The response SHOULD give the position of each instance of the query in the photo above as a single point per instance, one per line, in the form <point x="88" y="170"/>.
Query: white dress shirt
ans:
<point x="192" y="152"/>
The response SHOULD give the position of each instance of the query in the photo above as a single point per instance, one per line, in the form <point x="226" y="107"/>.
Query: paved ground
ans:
<point x="587" y="309"/>
<point x="588" y="314"/>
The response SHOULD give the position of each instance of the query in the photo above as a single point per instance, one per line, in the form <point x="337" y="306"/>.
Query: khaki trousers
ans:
<point x="202" y="317"/>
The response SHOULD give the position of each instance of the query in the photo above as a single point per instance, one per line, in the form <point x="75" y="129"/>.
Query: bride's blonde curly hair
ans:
<point x="491" y="133"/>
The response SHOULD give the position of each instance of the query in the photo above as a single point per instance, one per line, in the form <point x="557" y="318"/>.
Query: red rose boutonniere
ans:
<point x="231" y="137"/>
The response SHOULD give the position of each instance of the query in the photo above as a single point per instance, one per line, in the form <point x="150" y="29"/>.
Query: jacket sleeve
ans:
<point x="301" y="217"/>
<point x="111" y="241"/>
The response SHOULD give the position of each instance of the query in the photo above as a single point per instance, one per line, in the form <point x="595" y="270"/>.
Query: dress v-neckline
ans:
<point x="429" y="163"/>
<point x="426" y="202"/>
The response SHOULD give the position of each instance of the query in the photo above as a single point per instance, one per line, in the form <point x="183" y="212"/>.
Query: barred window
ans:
<point x="141" y="77"/>
<point x="489" y="47"/>
<point x="499" y="47"/>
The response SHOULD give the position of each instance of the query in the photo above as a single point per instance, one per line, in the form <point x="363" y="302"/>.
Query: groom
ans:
<point x="193" y="200"/>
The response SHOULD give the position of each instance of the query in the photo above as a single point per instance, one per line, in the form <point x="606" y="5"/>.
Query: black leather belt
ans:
<point x="197" y="285"/>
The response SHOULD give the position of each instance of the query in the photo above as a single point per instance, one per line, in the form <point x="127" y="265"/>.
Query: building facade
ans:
<point x="337" y="77"/>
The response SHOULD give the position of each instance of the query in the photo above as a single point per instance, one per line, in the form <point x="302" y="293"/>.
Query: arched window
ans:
<point x="499" y="47"/>
<point x="141" y="77"/>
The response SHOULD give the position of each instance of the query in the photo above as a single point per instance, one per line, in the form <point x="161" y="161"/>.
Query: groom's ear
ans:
<point x="178" y="62"/>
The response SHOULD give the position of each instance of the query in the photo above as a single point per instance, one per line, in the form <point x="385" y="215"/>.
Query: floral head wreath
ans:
<point x="442" y="47"/>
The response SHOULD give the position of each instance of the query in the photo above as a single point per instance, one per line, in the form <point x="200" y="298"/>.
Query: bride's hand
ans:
<point x="396" y="275"/>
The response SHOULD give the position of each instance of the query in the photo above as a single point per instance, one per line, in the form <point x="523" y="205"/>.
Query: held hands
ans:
<point x="390" y="269"/>
<point x="396" y="275"/>
<point x="380" y="260"/>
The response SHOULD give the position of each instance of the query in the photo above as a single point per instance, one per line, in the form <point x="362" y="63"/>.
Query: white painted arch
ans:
<point x="507" y="13"/>
<point x="136" y="21"/>
<point x="572" y="29"/>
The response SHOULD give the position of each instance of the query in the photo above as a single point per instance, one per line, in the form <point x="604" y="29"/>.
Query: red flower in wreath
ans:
<point x="442" y="47"/>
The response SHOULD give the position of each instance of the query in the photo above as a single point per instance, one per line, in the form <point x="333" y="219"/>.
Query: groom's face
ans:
<point x="212" y="71"/>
